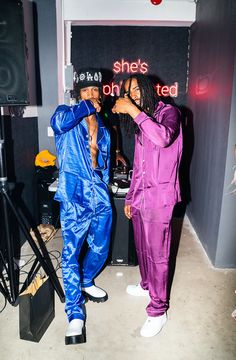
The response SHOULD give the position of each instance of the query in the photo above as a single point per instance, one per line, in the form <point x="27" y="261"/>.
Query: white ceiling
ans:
<point x="130" y="12"/>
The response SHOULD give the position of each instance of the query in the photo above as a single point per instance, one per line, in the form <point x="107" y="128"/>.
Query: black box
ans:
<point x="122" y="248"/>
<point x="48" y="208"/>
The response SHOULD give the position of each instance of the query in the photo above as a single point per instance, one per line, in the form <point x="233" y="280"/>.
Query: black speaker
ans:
<point x="13" y="76"/>
<point x="48" y="208"/>
<point x="122" y="249"/>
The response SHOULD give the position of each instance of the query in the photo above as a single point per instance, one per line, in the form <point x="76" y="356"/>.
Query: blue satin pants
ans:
<point x="81" y="224"/>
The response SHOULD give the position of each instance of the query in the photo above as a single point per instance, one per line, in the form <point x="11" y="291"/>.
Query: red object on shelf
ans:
<point x="156" y="2"/>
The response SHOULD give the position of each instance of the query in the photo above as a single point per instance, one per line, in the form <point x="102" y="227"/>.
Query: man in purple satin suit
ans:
<point x="154" y="190"/>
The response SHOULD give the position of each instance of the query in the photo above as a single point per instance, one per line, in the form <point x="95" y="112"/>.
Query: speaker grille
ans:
<point x="13" y="77"/>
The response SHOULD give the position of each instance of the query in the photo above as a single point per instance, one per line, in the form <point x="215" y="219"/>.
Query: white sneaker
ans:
<point x="75" y="332"/>
<point x="153" y="325"/>
<point x="95" y="293"/>
<point x="136" y="290"/>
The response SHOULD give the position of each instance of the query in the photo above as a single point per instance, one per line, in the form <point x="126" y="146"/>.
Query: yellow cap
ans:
<point x="45" y="158"/>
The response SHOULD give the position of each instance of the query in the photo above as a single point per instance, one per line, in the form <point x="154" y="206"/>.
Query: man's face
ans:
<point x="90" y="92"/>
<point x="133" y="90"/>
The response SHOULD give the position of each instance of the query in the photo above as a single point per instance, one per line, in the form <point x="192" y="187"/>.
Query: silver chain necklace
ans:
<point x="91" y="135"/>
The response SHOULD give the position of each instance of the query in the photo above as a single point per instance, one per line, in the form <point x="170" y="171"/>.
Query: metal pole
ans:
<point x="3" y="188"/>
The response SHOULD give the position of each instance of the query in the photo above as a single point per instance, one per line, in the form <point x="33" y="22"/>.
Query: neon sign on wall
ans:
<point x="138" y="66"/>
<point x="123" y="66"/>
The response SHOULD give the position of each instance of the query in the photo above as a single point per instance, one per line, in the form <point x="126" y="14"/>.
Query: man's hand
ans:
<point x="122" y="105"/>
<point x="128" y="212"/>
<point x="119" y="158"/>
<point x="96" y="104"/>
<point x="125" y="106"/>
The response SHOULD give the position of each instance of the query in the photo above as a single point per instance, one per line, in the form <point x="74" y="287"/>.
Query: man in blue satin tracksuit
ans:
<point x="83" y="149"/>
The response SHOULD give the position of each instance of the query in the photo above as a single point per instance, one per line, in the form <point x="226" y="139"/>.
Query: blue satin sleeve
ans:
<point x="66" y="117"/>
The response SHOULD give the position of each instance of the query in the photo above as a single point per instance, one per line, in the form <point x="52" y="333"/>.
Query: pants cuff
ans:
<point x="87" y="284"/>
<point x="76" y="316"/>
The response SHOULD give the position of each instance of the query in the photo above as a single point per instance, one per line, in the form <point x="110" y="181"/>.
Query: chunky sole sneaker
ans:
<point x="75" y="333"/>
<point x="95" y="294"/>
<point x="76" y="339"/>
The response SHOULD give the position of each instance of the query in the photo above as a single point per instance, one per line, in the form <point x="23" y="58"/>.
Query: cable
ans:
<point x="4" y="306"/>
<point x="25" y="274"/>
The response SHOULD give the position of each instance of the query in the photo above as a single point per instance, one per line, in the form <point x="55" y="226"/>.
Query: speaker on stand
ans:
<point x="14" y="91"/>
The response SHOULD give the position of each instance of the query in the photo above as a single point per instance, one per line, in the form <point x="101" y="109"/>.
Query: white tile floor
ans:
<point x="199" y="324"/>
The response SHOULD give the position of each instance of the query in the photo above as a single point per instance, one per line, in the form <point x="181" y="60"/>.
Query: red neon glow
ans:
<point x="156" y="2"/>
<point x="124" y="66"/>
<point x="203" y="84"/>
<point x="112" y="89"/>
<point x="166" y="90"/>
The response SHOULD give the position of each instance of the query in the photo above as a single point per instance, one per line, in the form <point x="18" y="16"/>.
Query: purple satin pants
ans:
<point x="152" y="235"/>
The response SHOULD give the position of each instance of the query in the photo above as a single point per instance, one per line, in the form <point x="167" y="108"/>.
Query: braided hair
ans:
<point x="149" y="100"/>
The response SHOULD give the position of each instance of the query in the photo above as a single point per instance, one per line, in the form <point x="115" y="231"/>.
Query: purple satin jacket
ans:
<point x="158" y="150"/>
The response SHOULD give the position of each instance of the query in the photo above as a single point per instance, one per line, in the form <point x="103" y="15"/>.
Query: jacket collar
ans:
<point x="159" y="107"/>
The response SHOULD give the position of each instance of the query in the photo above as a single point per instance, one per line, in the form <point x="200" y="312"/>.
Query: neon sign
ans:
<point x="166" y="90"/>
<point x="139" y="66"/>
<point x="123" y="66"/>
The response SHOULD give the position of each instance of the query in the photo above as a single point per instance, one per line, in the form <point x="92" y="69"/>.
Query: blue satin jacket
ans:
<point x="78" y="181"/>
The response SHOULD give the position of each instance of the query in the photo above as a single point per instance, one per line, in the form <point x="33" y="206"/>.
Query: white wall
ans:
<point x="118" y="12"/>
<point x="137" y="12"/>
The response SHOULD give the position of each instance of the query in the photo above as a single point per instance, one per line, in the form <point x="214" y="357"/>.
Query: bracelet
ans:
<point x="117" y="151"/>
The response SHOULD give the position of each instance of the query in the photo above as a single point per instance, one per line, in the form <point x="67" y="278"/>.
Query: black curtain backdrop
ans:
<point x="164" y="49"/>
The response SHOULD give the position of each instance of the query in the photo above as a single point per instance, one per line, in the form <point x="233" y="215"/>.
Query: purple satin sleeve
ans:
<point x="160" y="133"/>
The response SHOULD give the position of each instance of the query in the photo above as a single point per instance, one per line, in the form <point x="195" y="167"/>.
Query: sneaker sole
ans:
<point x="76" y="339"/>
<point x="95" y="299"/>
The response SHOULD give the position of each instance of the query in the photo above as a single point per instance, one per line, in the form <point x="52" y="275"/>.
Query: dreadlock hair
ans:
<point x="148" y="97"/>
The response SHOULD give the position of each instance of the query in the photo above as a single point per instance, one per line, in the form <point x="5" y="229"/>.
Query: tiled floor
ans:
<point x="199" y="324"/>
